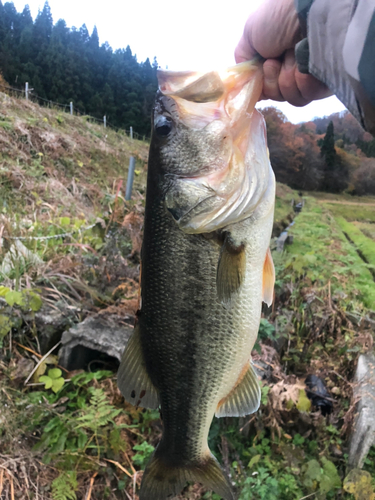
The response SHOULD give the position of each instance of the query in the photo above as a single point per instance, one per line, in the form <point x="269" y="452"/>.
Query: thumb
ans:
<point x="244" y="50"/>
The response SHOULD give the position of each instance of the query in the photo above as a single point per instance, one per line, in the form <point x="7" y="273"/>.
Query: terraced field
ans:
<point x="355" y="219"/>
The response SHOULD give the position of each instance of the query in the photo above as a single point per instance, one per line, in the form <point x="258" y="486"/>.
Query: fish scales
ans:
<point x="193" y="345"/>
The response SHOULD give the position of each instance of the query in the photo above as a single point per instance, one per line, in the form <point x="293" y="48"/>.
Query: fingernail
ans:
<point x="271" y="73"/>
<point x="289" y="60"/>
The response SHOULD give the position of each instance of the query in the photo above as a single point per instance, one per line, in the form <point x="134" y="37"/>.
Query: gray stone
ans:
<point x="281" y="241"/>
<point x="262" y="369"/>
<point x="51" y="322"/>
<point x="100" y="337"/>
<point x="363" y="433"/>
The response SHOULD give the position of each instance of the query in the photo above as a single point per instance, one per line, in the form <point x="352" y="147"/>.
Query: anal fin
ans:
<point x="230" y="270"/>
<point x="133" y="379"/>
<point x="244" y="398"/>
<point x="268" y="279"/>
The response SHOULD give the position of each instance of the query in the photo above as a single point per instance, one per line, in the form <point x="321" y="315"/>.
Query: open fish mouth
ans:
<point x="212" y="118"/>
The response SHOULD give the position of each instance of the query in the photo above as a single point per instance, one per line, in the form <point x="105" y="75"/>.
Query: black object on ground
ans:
<point x="317" y="393"/>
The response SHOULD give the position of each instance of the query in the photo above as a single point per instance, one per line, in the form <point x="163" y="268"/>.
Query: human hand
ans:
<point x="272" y="32"/>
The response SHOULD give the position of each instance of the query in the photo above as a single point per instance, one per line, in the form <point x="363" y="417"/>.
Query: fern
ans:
<point x="64" y="486"/>
<point x="99" y="414"/>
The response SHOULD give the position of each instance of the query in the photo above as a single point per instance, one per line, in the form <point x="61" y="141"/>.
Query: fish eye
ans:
<point x="163" y="126"/>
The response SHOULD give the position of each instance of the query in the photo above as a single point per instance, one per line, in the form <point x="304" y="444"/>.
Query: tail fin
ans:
<point x="161" y="481"/>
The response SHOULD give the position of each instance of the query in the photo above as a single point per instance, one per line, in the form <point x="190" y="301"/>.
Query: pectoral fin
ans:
<point x="231" y="269"/>
<point x="244" y="398"/>
<point x="268" y="279"/>
<point x="133" y="379"/>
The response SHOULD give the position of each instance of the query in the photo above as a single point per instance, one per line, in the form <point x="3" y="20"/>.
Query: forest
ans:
<point x="332" y="154"/>
<point x="65" y="64"/>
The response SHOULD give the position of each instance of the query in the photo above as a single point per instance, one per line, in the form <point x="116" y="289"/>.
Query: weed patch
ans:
<point x="320" y="254"/>
<point x="353" y="212"/>
<point x="365" y="245"/>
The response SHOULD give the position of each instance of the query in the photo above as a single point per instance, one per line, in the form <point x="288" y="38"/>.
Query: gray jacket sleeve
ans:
<point x="340" y="48"/>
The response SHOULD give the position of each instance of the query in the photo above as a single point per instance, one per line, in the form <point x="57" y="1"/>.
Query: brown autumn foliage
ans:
<point x="294" y="152"/>
<point x="364" y="177"/>
<point x="297" y="160"/>
<point x="345" y="125"/>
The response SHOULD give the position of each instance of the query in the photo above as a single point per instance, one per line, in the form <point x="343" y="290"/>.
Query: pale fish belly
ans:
<point x="248" y="304"/>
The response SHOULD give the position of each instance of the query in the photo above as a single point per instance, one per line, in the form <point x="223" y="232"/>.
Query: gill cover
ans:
<point x="219" y="104"/>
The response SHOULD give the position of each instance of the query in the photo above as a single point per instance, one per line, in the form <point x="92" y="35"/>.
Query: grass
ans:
<point x="353" y="212"/>
<point x="60" y="173"/>
<point x="48" y="155"/>
<point x="367" y="229"/>
<point x="321" y="253"/>
<point x="284" y="213"/>
<point x="342" y="197"/>
<point x="365" y="245"/>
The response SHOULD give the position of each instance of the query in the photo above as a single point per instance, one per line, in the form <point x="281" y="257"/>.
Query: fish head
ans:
<point x="211" y="145"/>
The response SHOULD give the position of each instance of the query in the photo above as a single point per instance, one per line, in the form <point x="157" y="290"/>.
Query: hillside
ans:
<point x="67" y="435"/>
<point x="64" y="65"/>
<point x="52" y="158"/>
<point x="332" y="154"/>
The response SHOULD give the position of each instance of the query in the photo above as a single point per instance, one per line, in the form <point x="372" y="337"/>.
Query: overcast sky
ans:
<point x="196" y="34"/>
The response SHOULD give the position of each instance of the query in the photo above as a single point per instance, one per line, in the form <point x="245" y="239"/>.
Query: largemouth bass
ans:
<point x="206" y="267"/>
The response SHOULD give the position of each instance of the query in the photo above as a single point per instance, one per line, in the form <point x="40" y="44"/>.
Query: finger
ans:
<point x="269" y="31"/>
<point x="271" y="72"/>
<point x="244" y="51"/>
<point x="287" y="81"/>
<point x="311" y="88"/>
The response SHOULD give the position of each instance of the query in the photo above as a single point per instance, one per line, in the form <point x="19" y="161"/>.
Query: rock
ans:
<point x="363" y="433"/>
<point x="298" y="207"/>
<point x="281" y="241"/>
<point x="100" y="338"/>
<point x="51" y="322"/>
<point x="22" y="370"/>
<point x="262" y="369"/>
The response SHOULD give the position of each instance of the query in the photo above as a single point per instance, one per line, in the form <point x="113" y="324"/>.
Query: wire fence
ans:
<point x="28" y="94"/>
<point x="54" y="236"/>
